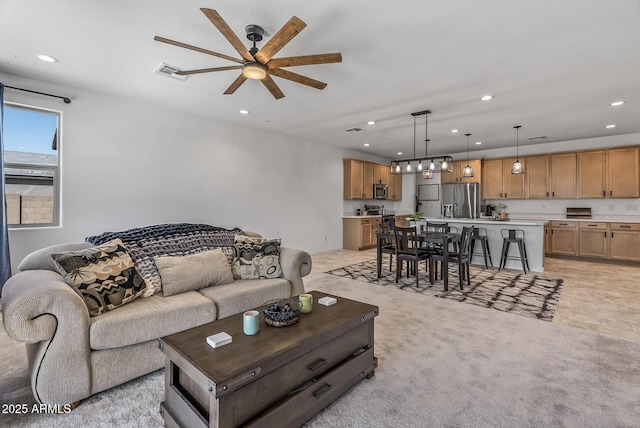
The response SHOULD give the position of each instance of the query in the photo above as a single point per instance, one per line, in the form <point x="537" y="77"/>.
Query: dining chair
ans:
<point x="387" y="245"/>
<point x="462" y="256"/>
<point x="407" y="249"/>
<point x="438" y="227"/>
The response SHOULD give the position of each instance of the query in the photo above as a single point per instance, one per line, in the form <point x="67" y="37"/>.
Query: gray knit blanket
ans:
<point x="144" y="244"/>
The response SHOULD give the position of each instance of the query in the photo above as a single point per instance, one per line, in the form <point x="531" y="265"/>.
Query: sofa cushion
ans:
<point x="150" y="318"/>
<point x="41" y="259"/>
<point x="243" y="295"/>
<point x="193" y="272"/>
<point x="104" y="276"/>
<point x="256" y="258"/>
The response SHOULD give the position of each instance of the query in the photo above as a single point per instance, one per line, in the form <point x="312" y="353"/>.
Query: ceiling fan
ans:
<point x="259" y="64"/>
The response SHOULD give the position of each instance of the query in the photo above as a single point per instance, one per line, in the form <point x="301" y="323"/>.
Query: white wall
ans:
<point x="126" y="164"/>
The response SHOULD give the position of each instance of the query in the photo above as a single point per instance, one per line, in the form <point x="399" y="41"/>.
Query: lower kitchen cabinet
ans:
<point x="593" y="240"/>
<point x="359" y="233"/>
<point x="401" y="221"/>
<point x="564" y="238"/>
<point x="625" y="241"/>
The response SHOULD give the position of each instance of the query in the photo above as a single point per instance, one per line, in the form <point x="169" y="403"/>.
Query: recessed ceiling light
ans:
<point x="47" y="58"/>
<point x="371" y="122"/>
<point x="244" y="111"/>
<point x="366" y="144"/>
<point x="453" y="131"/>
<point x="399" y="153"/>
<point x="610" y="126"/>
<point x="478" y="142"/>
<point x="487" y="97"/>
<point x="617" y="103"/>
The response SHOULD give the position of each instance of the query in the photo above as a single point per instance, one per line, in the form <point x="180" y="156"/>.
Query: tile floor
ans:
<point x="596" y="296"/>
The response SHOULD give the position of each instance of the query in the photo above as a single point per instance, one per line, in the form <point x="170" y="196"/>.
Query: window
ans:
<point x="31" y="165"/>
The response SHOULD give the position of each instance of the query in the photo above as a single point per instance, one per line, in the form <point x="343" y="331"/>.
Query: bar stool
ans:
<point x="515" y="236"/>
<point x="480" y="234"/>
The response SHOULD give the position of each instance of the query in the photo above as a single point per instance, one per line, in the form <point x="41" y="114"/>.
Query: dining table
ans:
<point x="426" y="237"/>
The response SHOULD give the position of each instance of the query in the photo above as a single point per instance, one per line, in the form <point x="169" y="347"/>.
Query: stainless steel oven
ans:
<point x="379" y="191"/>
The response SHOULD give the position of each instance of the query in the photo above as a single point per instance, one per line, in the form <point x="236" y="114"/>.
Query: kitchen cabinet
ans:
<point x="564" y="238"/>
<point x="367" y="180"/>
<point x="623" y="173"/>
<point x="458" y="168"/>
<point x="536" y="170"/>
<point x="394" y="187"/>
<point x="547" y="238"/>
<point x="381" y="174"/>
<point x="359" y="177"/>
<point x="592" y="174"/>
<point x="625" y="241"/>
<point x="593" y="240"/>
<point x="401" y="221"/>
<point x="359" y="233"/>
<point x="498" y="182"/>
<point x="563" y="175"/>
<point x="353" y="179"/>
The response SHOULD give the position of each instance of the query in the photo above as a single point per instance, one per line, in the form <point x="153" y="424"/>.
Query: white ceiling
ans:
<point x="553" y="66"/>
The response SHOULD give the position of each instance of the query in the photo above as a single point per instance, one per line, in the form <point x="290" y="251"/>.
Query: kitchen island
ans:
<point x="534" y="239"/>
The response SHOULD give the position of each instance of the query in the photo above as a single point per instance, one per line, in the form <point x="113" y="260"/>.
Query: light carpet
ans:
<point x="441" y="364"/>
<point x="530" y="294"/>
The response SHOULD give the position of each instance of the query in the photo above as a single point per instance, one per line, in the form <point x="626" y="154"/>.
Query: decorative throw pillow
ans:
<point x="193" y="272"/>
<point x="104" y="276"/>
<point x="256" y="258"/>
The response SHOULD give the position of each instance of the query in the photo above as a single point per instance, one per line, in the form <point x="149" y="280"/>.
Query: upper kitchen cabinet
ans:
<point x="359" y="177"/>
<point x="537" y="177"/>
<point x="623" y="175"/>
<point x="563" y="175"/>
<point x="458" y="169"/>
<point x="394" y="187"/>
<point x="592" y="168"/>
<point x="611" y="173"/>
<point x="381" y="173"/>
<point x="353" y="179"/>
<point x="498" y="182"/>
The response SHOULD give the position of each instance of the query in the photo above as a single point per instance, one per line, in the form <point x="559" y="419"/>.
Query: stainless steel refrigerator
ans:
<point x="461" y="200"/>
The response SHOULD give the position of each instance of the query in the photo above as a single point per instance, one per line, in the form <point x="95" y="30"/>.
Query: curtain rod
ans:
<point x="65" y="99"/>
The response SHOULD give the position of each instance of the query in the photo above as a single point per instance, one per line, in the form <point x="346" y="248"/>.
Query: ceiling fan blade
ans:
<point x="235" y="85"/>
<point x="294" y="77"/>
<point x="208" y="70"/>
<point x="272" y="87"/>
<point x="197" y="49"/>
<point x="281" y="38"/>
<point x="294" y="61"/>
<point x="228" y="33"/>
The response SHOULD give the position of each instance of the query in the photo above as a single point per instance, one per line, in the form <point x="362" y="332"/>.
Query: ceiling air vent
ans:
<point x="354" y="130"/>
<point x="537" y="137"/>
<point x="170" y="71"/>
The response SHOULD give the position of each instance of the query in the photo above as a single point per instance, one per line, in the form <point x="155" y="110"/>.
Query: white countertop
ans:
<point x="517" y="219"/>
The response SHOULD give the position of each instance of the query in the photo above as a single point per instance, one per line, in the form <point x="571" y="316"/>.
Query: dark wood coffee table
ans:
<point x="278" y="377"/>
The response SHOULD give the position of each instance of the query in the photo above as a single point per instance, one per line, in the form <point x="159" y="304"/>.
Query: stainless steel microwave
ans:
<point x="379" y="191"/>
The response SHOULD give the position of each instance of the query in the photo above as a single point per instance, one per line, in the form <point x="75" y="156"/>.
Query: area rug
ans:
<point x="529" y="294"/>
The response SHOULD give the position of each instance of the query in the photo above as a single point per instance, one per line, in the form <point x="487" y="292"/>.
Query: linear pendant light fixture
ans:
<point x="467" y="172"/>
<point x="517" y="167"/>
<point x="418" y="165"/>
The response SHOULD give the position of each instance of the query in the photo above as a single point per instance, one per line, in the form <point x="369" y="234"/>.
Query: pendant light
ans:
<point x="428" y="173"/>
<point x="467" y="171"/>
<point x="517" y="167"/>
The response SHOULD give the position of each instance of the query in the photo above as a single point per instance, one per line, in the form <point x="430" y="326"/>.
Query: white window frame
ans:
<point x="57" y="208"/>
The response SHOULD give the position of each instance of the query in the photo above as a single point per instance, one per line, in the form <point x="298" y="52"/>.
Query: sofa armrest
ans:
<point x="295" y="264"/>
<point x="38" y="307"/>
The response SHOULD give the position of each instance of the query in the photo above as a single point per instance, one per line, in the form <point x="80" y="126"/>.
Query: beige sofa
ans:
<point x="72" y="355"/>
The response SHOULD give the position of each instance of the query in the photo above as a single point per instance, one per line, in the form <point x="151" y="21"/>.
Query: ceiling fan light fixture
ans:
<point x="254" y="71"/>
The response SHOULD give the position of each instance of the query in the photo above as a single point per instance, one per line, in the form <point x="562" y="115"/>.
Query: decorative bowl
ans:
<point x="281" y="312"/>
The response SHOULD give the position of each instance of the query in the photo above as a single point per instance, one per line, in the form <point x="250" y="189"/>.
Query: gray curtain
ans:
<point x="5" y="259"/>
